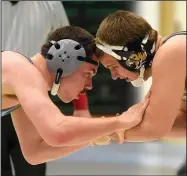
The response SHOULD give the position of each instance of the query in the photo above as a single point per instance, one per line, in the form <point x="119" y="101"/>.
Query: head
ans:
<point x="129" y="45"/>
<point x="71" y="58"/>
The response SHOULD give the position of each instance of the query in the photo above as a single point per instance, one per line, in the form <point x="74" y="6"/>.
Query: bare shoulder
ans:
<point x="11" y="56"/>
<point x="12" y="62"/>
<point x="16" y="68"/>
<point x="172" y="53"/>
<point x="177" y="44"/>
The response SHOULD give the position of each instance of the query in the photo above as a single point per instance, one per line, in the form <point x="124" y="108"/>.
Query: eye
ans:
<point x="90" y="75"/>
<point x="94" y="73"/>
<point x="86" y="75"/>
<point x="114" y="68"/>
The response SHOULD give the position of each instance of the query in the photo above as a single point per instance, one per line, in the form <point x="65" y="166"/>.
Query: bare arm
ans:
<point x="168" y="85"/>
<point x="35" y="150"/>
<point x="55" y="128"/>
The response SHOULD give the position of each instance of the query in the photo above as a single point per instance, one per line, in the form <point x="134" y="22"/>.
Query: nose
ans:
<point x="114" y="75"/>
<point x="88" y="84"/>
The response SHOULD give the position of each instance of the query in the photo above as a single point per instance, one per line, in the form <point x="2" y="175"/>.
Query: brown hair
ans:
<point x="123" y="26"/>
<point x="74" y="33"/>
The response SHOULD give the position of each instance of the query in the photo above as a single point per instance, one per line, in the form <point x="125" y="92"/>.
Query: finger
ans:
<point x="139" y="110"/>
<point x="117" y="114"/>
<point x="143" y="107"/>
<point x="135" y="107"/>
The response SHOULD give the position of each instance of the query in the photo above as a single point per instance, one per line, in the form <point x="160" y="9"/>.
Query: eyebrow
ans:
<point x="108" y="66"/>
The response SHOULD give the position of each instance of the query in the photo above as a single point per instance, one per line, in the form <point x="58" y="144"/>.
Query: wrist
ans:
<point x="122" y="122"/>
<point x="117" y="124"/>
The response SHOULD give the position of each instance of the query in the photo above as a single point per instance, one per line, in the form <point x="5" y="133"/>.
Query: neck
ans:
<point x="40" y="63"/>
<point x="147" y="74"/>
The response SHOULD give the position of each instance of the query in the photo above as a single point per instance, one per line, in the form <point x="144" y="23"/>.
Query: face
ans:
<point x="117" y="71"/>
<point x="75" y="84"/>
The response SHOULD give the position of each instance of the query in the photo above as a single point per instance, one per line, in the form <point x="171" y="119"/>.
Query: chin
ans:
<point x="66" y="99"/>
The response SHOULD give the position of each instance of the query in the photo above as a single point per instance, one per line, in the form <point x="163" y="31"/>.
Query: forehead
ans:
<point x="108" y="59"/>
<point x="90" y="67"/>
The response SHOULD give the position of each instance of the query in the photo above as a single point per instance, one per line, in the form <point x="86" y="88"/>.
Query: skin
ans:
<point x="43" y="131"/>
<point x="167" y="71"/>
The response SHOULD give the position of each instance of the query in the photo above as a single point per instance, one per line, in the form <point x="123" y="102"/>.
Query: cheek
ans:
<point x="63" y="87"/>
<point x="132" y="75"/>
<point x="122" y="72"/>
<point x="65" y="84"/>
<point x="78" y="82"/>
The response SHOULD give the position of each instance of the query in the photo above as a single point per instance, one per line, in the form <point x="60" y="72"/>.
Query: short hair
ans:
<point x="122" y="26"/>
<point x="75" y="33"/>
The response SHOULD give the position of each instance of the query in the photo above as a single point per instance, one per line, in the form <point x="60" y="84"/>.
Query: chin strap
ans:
<point x="56" y="83"/>
<point x="140" y="80"/>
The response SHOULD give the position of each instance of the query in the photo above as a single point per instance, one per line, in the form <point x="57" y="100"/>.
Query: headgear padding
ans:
<point x="64" y="55"/>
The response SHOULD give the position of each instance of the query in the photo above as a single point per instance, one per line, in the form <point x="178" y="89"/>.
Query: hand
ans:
<point x="82" y="113"/>
<point x="133" y="116"/>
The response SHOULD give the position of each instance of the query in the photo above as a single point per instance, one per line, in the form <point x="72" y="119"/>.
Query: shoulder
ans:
<point x="176" y="42"/>
<point x="15" y="65"/>
<point x="172" y="53"/>
<point x="13" y="59"/>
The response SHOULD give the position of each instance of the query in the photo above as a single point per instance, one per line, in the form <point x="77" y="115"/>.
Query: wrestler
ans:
<point x="65" y="67"/>
<point x="135" y="51"/>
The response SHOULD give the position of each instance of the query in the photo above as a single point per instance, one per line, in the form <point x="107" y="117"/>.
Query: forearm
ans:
<point x="154" y="128"/>
<point x="44" y="152"/>
<point x="34" y="148"/>
<point x="80" y="130"/>
<point x="149" y="129"/>
<point x="140" y="133"/>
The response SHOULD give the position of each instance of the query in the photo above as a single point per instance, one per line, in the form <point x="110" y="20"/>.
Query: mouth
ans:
<point x="81" y="93"/>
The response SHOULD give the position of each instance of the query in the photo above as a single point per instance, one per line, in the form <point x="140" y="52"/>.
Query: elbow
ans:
<point x="36" y="157"/>
<point x="58" y="137"/>
<point x="31" y="156"/>
<point x="32" y="159"/>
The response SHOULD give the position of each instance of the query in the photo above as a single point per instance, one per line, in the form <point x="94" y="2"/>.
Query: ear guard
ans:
<point x="64" y="58"/>
<point x="136" y="56"/>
